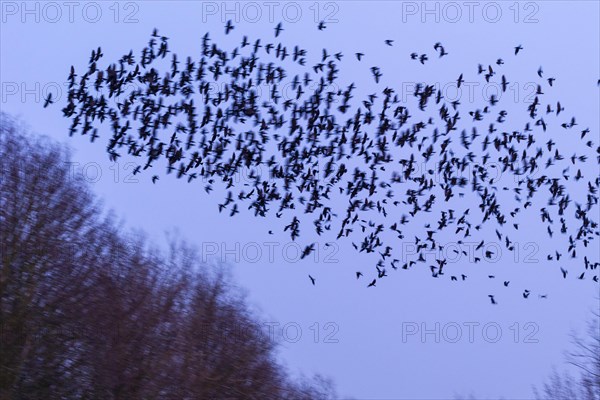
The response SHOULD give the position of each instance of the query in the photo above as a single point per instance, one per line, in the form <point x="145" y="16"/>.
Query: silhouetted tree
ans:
<point x="88" y="311"/>
<point x="586" y="358"/>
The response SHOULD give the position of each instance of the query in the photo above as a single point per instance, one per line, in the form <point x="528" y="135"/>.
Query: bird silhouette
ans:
<point x="438" y="46"/>
<point x="278" y="29"/>
<point x="517" y="49"/>
<point x="48" y="100"/>
<point x="228" y="27"/>
<point x="564" y="272"/>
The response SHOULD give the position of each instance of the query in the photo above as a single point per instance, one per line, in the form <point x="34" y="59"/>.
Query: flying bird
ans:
<point x="564" y="272"/>
<point x="48" y="100"/>
<point x="438" y="47"/>
<point x="517" y="49"/>
<point x="278" y="29"/>
<point x="459" y="81"/>
<point x="228" y="27"/>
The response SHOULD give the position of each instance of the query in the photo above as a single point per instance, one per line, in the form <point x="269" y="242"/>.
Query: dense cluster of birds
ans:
<point x="305" y="151"/>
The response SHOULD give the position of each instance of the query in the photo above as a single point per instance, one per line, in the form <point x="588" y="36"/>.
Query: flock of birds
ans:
<point x="323" y="145"/>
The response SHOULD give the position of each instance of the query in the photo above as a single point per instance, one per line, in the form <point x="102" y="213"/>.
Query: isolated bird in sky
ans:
<point x="438" y="46"/>
<point x="48" y="100"/>
<point x="228" y="27"/>
<point x="517" y="49"/>
<point x="278" y="29"/>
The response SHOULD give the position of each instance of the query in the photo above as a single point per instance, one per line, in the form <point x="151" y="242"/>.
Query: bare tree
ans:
<point x="88" y="311"/>
<point x="49" y="230"/>
<point x="586" y="358"/>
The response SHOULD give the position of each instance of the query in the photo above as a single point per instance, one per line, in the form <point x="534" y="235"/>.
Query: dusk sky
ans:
<point x="411" y="337"/>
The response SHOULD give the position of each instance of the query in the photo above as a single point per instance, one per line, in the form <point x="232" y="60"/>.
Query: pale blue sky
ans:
<point x="370" y="359"/>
